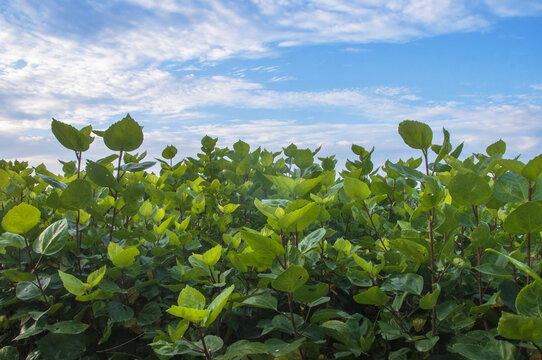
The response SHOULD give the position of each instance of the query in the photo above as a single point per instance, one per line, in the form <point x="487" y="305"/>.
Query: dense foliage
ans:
<point x="241" y="254"/>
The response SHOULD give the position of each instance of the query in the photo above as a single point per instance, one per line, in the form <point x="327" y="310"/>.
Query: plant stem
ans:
<point x="207" y="353"/>
<point x="430" y="215"/>
<point x="35" y="270"/>
<point x="290" y="305"/>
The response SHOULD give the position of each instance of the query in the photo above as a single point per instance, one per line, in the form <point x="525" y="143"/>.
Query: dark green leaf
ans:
<point x="70" y="137"/>
<point x="124" y="135"/>
<point x="61" y="346"/>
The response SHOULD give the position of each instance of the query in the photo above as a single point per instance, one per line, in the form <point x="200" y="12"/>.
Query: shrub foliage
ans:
<point x="249" y="254"/>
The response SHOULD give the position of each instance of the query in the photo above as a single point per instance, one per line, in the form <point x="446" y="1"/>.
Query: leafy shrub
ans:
<point x="241" y="254"/>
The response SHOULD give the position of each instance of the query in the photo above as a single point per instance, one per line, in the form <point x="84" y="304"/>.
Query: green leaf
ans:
<point x="67" y="327"/>
<point x="27" y="291"/>
<point x="290" y="279"/>
<point x="303" y="158"/>
<point x="124" y="135"/>
<point x="135" y="167"/>
<point x="309" y="293"/>
<point x="169" y="152"/>
<point x="469" y="189"/>
<point x="191" y="297"/>
<point x="21" y="218"/>
<point x="410" y="283"/>
<point x="70" y="137"/>
<point x="101" y="176"/>
<point x="96" y="276"/>
<point x="429" y="300"/>
<point x="211" y="256"/>
<point x="150" y="313"/>
<point x="277" y="347"/>
<point x="17" y="276"/>
<point x="262" y="244"/>
<point x="72" y="284"/>
<point x="337" y="330"/>
<point x="415" y="134"/>
<point x="11" y="353"/>
<point x="425" y="345"/>
<point x="526" y="218"/>
<point x="76" y="195"/>
<point x="264" y="301"/>
<point x="61" y="346"/>
<point x="533" y="169"/>
<point x="411" y="250"/>
<point x="8" y="239"/>
<point x="511" y="188"/>
<point x="242" y="348"/>
<point x="53" y="182"/>
<point x="481" y="235"/>
<point x="299" y="219"/>
<point x="311" y="241"/>
<point x="178" y="332"/>
<point x="519" y="327"/>
<point x="356" y="189"/>
<point x="216" y="306"/>
<point x="529" y="300"/>
<point x="191" y="314"/>
<point x="473" y="351"/>
<point x="372" y="296"/>
<point x="497" y="148"/>
<point x="121" y="257"/>
<point x="519" y="265"/>
<point x="53" y="238"/>
<point x="119" y="312"/>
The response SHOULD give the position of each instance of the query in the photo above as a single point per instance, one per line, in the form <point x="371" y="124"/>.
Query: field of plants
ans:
<point x="249" y="254"/>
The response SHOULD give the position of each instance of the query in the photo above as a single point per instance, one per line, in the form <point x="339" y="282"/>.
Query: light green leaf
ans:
<point x="240" y="349"/>
<point x="469" y="189"/>
<point x="291" y="279"/>
<point x="72" y="284"/>
<point x="429" y="300"/>
<point x="411" y="250"/>
<point x="17" y="276"/>
<point x="9" y="239"/>
<point x="497" y="148"/>
<point x="124" y="135"/>
<point x="95" y="277"/>
<point x="211" y="256"/>
<point x="299" y="219"/>
<point x="356" y="189"/>
<point x="190" y="314"/>
<point x="526" y="218"/>
<point x="121" y="257"/>
<point x="415" y="134"/>
<point x="21" y="218"/>
<point x="262" y="245"/>
<point x="533" y="169"/>
<point x="519" y="265"/>
<point x="216" y="306"/>
<point x="519" y="327"/>
<point x="529" y="300"/>
<point x="67" y="327"/>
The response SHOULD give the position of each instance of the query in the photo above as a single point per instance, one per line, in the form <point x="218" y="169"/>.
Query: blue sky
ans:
<point x="271" y="72"/>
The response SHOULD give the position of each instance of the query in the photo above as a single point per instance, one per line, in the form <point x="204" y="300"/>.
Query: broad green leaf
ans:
<point x="306" y="185"/>
<point x="415" y="134"/>
<point x="21" y="218"/>
<point x="372" y="296"/>
<point x="135" y="167"/>
<point x="473" y="351"/>
<point x="411" y="250"/>
<point x="284" y="183"/>
<point x="124" y="135"/>
<point x="17" y="276"/>
<point x="365" y="265"/>
<point x="8" y="239"/>
<point x="121" y="257"/>
<point x="533" y="169"/>
<point x="469" y="189"/>
<point x="429" y="300"/>
<point x="119" y="312"/>
<point x="338" y="330"/>
<point x="101" y="176"/>
<point x="426" y="345"/>
<point x="309" y="293"/>
<point x="303" y="158"/>
<point x="72" y="284"/>
<point x="211" y="256"/>
<point x="27" y="291"/>
<point x="409" y="282"/>
<point x="53" y="238"/>
<point x="291" y="279"/>
<point x="277" y="347"/>
<point x="76" y="195"/>
<point x="529" y="300"/>
<point x="190" y="314"/>
<point x="240" y="349"/>
<point x="511" y="188"/>
<point x="70" y="137"/>
<point x="497" y="148"/>
<point x="191" y="297"/>
<point x="96" y="276"/>
<point x="178" y="332"/>
<point x="481" y="235"/>
<point x="298" y="220"/>
<point x="67" y="327"/>
<point x="169" y="152"/>
<point x="264" y="301"/>
<point x="216" y="306"/>
<point x="526" y="218"/>
<point x="312" y="240"/>
<point x="61" y="346"/>
<point x="145" y="210"/>
<point x="241" y="148"/>
<point x="519" y="265"/>
<point x="262" y="245"/>
<point x="519" y="327"/>
<point x="149" y="314"/>
<point x="53" y="182"/>
<point x="356" y="189"/>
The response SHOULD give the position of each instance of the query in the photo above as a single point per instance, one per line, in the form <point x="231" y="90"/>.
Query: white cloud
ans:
<point x="509" y="8"/>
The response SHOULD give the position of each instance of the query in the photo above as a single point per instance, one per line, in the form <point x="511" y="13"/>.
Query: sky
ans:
<point x="315" y="73"/>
